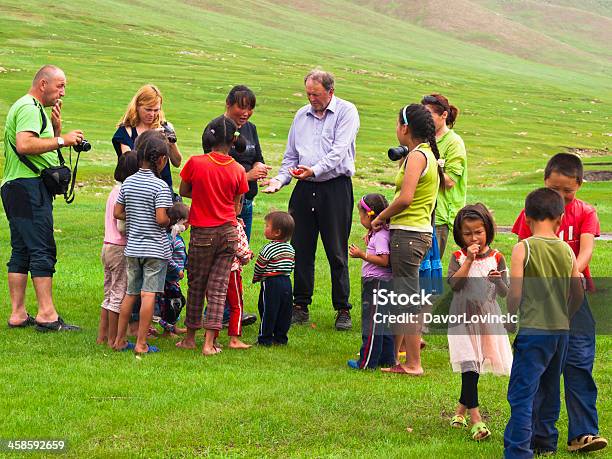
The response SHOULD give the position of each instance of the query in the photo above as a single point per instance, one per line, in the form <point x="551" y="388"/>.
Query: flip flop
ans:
<point x="128" y="347"/>
<point x="480" y="431"/>
<point x="150" y="350"/>
<point x="458" y="421"/>
<point x="399" y="369"/>
<point x="587" y="443"/>
<point x="29" y="322"/>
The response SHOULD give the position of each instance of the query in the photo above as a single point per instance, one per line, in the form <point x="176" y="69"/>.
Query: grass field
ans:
<point x="302" y="400"/>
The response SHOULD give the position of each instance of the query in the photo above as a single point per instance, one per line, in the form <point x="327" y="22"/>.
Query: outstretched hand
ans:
<point x="272" y="186"/>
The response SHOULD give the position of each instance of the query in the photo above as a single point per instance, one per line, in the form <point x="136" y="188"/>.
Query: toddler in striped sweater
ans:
<point x="273" y="269"/>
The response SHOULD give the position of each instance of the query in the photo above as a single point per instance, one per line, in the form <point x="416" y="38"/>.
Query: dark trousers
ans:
<point x="29" y="210"/>
<point x="326" y="208"/>
<point x="580" y="388"/>
<point x="534" y="393"/>
<point x="275" y="309"/>
<point x="377" y="345"/>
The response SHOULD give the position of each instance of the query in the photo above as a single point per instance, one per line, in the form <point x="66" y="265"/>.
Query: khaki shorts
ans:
<point x="146" y="275"/>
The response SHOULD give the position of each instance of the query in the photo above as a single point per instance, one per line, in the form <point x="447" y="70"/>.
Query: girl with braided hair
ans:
<point x="143" y="202"/>
<point x="416" y="189"/>
<point x="215" y="182"/>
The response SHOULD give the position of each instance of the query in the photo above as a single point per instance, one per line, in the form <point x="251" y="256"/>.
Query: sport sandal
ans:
<point x="480" y="431"/>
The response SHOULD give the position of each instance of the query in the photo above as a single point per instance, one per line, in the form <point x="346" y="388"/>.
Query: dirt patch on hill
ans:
<point x="587" y="152"/>
<point x="598" y="176"/>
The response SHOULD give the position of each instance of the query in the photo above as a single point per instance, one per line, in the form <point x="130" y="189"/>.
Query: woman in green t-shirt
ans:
<point x="416" y="189"/>
<point x="452" y="152"/>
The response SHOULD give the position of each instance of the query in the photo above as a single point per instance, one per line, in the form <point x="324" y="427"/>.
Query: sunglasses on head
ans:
<point x="431" y="100"/>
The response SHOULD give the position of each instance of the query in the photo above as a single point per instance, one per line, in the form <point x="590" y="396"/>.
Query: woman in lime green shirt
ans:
<point x="416" y="189"/>
<point x="452" y="152"/>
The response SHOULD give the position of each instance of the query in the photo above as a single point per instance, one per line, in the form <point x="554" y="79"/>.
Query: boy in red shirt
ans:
<point x="579" y="228"/>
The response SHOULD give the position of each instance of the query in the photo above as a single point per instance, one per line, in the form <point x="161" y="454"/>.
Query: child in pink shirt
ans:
<point x="115" y="269"/>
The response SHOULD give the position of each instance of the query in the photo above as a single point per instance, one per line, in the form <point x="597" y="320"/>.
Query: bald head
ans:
<point x="48" y="85"/>
<point x="47" y="72"/>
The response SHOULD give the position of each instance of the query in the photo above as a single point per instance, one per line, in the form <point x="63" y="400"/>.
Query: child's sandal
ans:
<point x="458" y="421"/>
<point x="480" y="431"/>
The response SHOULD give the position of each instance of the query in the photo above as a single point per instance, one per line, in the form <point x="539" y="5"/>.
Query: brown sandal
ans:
<point x="587" y="443"/>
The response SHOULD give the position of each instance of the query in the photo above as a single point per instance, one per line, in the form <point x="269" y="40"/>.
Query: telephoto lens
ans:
<point x="83" y="146"/>
<point x="397" y="153"/>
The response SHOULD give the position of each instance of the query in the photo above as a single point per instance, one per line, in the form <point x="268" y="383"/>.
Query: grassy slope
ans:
<point x="299" y="400"/>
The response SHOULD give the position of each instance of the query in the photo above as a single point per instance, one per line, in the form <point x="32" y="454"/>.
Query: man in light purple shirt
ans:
<point x="320" y="154"/>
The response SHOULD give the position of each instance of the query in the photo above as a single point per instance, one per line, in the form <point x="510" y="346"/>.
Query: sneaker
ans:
<point x="248" y="319"/>
<point x="300" y="316"/>
<point x="353" y="364"/>
<point x="343" y="320"/>
<point x="58" y="325"/>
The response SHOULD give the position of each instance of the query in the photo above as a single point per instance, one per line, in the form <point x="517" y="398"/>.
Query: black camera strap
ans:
<point x="69" y="196"/>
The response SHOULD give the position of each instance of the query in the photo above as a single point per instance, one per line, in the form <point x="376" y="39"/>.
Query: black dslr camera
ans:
<point x="397" y="153"/>
<point x="168" y="131"/>
<point x="83" y="146"/>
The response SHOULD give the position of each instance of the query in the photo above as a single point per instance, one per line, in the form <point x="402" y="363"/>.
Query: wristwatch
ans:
<point x="60" y="142"/>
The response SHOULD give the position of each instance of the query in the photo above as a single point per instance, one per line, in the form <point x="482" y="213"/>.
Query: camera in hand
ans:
<point x="168" y="131"/>
<point x="83" y="146"/>
<point x="397" y="153"/>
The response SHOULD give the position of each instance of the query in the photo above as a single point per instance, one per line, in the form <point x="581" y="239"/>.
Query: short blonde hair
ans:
<point x="146" y="96"/>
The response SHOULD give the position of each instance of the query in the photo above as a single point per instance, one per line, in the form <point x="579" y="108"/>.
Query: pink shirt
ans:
<point x="111" y="233"/>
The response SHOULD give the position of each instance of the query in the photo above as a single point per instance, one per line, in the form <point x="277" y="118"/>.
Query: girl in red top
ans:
<point x="215" y="182"/>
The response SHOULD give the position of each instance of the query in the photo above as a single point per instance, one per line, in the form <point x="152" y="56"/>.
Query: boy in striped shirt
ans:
<point x="273" y="269"/>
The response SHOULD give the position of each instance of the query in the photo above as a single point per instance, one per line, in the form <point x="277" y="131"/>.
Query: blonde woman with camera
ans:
<point x="143" y="113"/>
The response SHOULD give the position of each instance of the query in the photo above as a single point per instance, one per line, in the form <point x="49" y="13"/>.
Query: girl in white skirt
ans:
<point x="477" y="339"/>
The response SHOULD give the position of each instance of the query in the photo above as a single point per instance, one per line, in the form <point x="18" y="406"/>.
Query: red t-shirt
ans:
<point x="216" y="179"/>
<point x="579" y="218"/>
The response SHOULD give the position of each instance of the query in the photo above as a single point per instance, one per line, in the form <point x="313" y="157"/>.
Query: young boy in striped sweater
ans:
<point x="273" y="269"/>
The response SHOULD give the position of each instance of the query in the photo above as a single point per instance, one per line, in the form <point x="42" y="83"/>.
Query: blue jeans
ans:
<point x="534" y="392"/>
<point x="247" y="216"/>
<point x="580" y="388"/>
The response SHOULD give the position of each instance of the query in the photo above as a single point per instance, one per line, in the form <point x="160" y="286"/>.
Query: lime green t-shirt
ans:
<point x="452" y="151"/>
<point x="546" y="284"/>
<point x="417" y="216"/>
<point x="25" y="115"/>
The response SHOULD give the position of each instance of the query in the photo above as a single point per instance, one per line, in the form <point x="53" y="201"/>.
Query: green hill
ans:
<point x="520" y="103"/>
<point x="515" y="112"/>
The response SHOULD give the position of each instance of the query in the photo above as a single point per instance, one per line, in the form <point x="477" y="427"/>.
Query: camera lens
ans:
<point x="83" y="146"/>
<point x="397" y="153"/>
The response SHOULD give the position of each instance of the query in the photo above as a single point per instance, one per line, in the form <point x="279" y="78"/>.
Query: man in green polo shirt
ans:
<point x="27" y="202"/>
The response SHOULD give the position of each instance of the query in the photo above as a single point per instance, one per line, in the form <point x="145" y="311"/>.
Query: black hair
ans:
<point x="375" y="201"/>
<point x="283" y="222"/>
<point x="544" y="204"/>
<point x="127" y="164"/>
<point x="222" y="132"/>
<point x="242" y="96"/>
<point x="150" y="146"/>
<point x="422" y="127"/>
<point x="567" y="164"/>
<point x="476" y="211"/>
<point x="440" y="104"/>
<point x="178" y="211"/>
